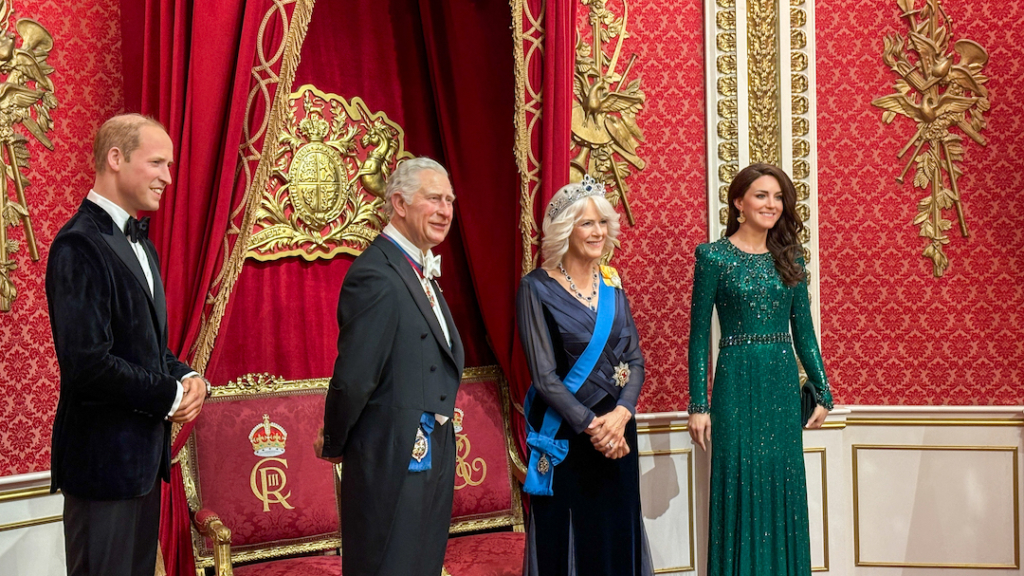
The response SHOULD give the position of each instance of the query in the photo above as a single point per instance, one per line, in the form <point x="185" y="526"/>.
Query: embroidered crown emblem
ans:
<point x="268" y="438"/>
<point x="587" y="187"/>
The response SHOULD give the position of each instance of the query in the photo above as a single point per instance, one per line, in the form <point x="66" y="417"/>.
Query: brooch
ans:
<point x="543" y="466"/>
<point x="621" y="374"/>
<point x="611" y="277"/>
<point x="420" y="447"/>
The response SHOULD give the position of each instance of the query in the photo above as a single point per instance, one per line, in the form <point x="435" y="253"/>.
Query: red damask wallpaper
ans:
<point x="87" y="58"/>
<point x="891" y="332"/>
<point x="668" y="197"/>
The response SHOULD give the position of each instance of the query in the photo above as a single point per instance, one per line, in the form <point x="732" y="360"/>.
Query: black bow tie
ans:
<point x="137" y="230"/>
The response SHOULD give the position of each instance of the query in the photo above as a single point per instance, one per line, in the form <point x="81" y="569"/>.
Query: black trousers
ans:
<point x="112" y="537"/>
<point x="419" y="532"/>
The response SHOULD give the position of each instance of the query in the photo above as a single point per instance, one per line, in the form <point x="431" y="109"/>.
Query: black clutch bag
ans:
<point x="807" y="403"/>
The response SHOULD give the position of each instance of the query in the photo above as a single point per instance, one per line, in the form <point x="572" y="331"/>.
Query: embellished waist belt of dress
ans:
<point x="738" y="339"/>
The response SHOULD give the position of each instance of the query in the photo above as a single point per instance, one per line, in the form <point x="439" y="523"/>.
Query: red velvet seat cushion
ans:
<point x="495" y="554"/>
<point x="308" y="566"/>
<point x="261" y="476"/>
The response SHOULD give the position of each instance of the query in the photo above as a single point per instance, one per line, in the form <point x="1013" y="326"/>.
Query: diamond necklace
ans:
<point x="588" y="300"/>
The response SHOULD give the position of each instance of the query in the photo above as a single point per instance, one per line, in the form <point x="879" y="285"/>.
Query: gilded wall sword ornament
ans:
<point x="26" y="98"/>
<point x="606" y="103"/>
<point x="939" y="86"/>
<point x="327" y="190"/>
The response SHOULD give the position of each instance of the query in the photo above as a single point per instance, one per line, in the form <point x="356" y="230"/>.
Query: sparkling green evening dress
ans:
<point x="758" y="508"/>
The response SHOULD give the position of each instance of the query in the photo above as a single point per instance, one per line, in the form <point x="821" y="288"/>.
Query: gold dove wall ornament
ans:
<point x="605" y="107"/>
<point x="26" y="98"/>
<point x="326" y="194"/>
<point x="939" y="87"/>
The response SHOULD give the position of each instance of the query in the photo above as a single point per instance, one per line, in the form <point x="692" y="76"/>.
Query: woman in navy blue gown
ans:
<point x="584" y="478"/>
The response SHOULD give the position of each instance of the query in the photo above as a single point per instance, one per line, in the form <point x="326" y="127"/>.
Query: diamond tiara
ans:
<point x="573" y="192"/>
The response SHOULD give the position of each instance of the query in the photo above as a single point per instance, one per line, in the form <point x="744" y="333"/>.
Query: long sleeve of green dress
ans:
<point x="705" y="281"/>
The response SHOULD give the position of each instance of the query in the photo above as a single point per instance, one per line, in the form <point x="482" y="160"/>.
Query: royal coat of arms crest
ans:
<point x="326" y="193"/>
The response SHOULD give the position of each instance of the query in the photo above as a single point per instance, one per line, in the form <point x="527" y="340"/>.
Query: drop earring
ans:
<point x="741" y="218"/>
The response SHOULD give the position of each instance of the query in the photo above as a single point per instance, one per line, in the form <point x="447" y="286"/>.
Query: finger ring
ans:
<point x="611" y="444"/>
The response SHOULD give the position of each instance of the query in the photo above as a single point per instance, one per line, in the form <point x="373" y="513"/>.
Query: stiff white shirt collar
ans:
<point x="118" y="214"/>
<point x="428" y="261"/>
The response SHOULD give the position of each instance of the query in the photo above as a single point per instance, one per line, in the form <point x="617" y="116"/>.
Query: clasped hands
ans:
<point x="607" y="433"/>
<point x="192" y="398"/>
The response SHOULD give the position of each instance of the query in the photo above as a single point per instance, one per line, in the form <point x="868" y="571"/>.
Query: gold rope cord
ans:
<point x="289" y="54"/>
<point x="527" y="117"/>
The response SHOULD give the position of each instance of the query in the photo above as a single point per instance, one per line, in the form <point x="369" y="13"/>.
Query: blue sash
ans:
<point x="545" y="451"/>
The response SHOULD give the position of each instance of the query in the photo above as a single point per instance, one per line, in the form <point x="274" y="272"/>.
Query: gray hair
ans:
<point x="406" y="180"/>
<point x="558" y="230"/>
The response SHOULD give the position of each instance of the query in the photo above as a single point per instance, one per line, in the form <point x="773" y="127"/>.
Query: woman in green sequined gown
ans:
<point x="756" y="279"/>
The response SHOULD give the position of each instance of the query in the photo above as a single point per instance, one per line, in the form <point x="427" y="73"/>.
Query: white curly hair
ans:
<point x="557" y="231"/>
<point x="406" y="180"/>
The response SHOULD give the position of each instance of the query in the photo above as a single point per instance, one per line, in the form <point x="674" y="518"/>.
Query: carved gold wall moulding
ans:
<point x="762" y="75"/>
<point x="26" y="98"/>
<point x="604" y="130"/>
<point x="727" y="106"/>
<point x="939" y="86"/>
<point x="326" y="193"/>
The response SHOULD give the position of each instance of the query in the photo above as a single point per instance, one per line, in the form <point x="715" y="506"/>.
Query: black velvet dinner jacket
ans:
<point x="111" y="438"/>
<point x="393" y="365"/>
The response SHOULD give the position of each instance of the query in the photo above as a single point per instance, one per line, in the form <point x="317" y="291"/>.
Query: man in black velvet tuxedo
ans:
<point x="388" y="408"/>
<point x="120" y="387"/>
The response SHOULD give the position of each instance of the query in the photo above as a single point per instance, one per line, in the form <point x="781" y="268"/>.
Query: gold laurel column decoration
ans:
<point x="606" y="102"/>
<point x="939" y="86"/>
<point x="727" y="125"/>
<point x="26" y="98"/>
<point x="800" y="87"/>
<point x="763" y="78"/>
<point x="528" y="48"/>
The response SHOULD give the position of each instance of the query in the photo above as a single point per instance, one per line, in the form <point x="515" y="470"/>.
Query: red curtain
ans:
<point x="452" y="93"/>
<point x="551" y="77"/>
<point x="441" y="70"/>
<point x="188" y="63"/>
<point x="556" y="121"/>
<point x="469" y="50"/>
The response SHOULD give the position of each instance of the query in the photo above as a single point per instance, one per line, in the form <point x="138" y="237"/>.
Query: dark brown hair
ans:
<point x="121" y="132"/>
<point x="783" y="238"/>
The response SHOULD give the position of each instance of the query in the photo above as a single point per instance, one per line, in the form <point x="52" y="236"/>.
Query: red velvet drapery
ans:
<point x="452" y="95"/>
<point x="443" y="71"/>
<point x="189" y="64"/>
<point x="552" y="78"/>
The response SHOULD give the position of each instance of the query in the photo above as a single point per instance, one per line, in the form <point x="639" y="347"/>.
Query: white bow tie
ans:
<point x="431" y="266"/>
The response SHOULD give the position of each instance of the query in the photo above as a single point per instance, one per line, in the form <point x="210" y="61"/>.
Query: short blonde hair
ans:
<point x="121" y="132"/>
<point x="557" y="230"/>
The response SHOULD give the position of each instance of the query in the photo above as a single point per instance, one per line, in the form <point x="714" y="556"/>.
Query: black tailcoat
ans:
<point x="393" y="365"/>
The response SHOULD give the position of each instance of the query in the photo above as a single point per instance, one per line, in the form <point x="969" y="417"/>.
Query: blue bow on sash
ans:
<point x="545" y="451"/>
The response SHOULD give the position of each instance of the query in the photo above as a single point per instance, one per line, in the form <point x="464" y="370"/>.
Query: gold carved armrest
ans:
<point x="209" y="525"/>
